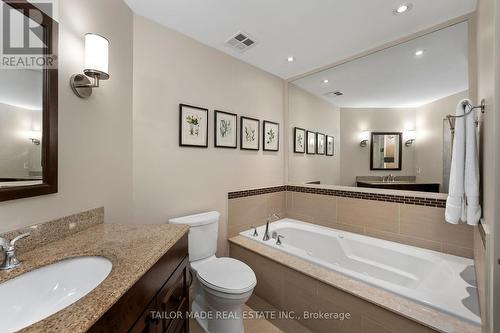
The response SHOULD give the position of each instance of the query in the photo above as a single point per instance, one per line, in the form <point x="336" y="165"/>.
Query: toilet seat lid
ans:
<point x="227" y="275"/>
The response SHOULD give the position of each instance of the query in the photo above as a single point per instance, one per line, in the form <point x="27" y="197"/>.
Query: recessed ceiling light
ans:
<point x="290" y="59"/>
<point x="418" y="53"/>
<point x="325" y="81"/>
<point x="402" y="9"/>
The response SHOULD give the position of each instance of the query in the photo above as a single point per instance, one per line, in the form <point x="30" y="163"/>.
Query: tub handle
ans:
<point x="278" y="240"/>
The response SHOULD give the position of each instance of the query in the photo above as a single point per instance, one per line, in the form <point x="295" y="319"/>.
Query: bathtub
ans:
<point x="444" y="282"/>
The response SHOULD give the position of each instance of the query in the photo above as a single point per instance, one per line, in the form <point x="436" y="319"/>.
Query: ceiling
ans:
<point x="315" y="32"/>
<point x="396" y="77"/>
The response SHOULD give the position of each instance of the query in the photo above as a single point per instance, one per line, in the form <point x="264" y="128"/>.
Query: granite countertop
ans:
<point x="430" y="317"/>
<point x="133" y="250"/>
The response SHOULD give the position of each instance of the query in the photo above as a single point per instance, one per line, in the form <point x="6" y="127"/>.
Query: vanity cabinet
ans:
<point x="164" y="289"/>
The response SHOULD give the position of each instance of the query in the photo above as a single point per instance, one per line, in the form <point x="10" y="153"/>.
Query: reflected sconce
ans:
<point x="410" y="138"/>
<point x="35" y="137"/>
<point x="364" y="136"/>
<point x="96" y="66"/>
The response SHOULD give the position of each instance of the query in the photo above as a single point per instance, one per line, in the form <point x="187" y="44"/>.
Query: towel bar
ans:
<point x="482" y="107"/>
<point x="451" y="117"/>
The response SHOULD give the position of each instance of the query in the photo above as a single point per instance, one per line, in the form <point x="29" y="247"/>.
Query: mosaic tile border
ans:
<point x="346" y="194"/>
<point x="257" y="191"/>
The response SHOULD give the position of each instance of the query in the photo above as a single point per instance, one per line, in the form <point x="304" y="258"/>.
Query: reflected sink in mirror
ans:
<point x="42" y="292"/>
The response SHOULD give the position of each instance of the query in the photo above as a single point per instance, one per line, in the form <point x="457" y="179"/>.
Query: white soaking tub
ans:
<point x="439" y="280"/>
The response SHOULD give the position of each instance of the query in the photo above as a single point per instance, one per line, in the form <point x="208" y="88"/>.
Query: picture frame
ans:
<point x="330" y="145"/>
<point x="193" y="126"/>
<point x="299" y="142"/>
<point x="311" y="142"/>
<point x="249" y="133"/>
<point x="270" y="136"/>
<point x="225" y="129"/>
<point x="320" y="144"/>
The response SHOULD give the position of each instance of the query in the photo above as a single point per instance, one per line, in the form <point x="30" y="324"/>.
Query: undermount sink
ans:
<point x="40" y="293"/>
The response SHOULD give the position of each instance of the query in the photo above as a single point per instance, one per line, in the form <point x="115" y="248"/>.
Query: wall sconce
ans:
<point x="410" y="138"/>
<point x="35" y="137"/>
<point x="364" y="136"/>
<point x="96" y="66"/>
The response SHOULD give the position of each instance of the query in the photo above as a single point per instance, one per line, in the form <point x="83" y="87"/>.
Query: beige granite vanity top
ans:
<point x="133" y="250"/>
<point x="437" y="320"/>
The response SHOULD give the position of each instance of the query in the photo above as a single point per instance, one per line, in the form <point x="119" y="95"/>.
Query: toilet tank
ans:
<point x="203" y="231"/>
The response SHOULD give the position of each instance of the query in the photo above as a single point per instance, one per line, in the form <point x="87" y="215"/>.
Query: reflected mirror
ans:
<point x="386" y="151"/>
<point x="20" y="127"/>
<point x="386" y="113"/>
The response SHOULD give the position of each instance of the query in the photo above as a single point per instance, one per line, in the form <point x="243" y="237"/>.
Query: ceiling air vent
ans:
<point x="334" y="93"/>
<point x="241" y="42"/>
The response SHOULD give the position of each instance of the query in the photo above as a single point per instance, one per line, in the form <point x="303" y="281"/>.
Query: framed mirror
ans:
<point x="386" y="151"/>
<point x="28" y="102"/>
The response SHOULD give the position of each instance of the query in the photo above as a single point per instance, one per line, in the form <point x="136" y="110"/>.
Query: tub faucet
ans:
<point x="269" y="219"/>
<point x="9" y="248"/>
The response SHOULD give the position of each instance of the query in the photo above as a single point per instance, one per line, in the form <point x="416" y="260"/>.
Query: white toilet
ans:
<point x="220" y="285"/>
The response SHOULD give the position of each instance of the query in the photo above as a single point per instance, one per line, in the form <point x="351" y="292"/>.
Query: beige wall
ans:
<point x="355" y="160"/>
<point x="169" y="181"/>
<point x="314" y="114"/>
<point x="429" y="141"/>
<point x="488" y="86"/>
<point x="95" y="135"/>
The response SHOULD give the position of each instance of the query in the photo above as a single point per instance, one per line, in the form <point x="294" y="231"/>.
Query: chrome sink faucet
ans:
<point x="269" y="220"/>
<point x="9" y="248"/>
<point x="389" y="178"/>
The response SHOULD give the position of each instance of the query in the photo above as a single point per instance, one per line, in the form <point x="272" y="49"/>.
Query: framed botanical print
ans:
<point x="330" y="145"/>
<point x="271" y="136"/>
<point x="311" y="142"/>
<point x="320" y="144"/>
<point x="299" y="143"/>
<point x="193" y="126"/>
<point x="226" y="129"/>
<point x="249" y="133"/>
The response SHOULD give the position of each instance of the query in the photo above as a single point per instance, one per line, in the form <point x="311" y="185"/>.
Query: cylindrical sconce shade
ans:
<point x="410" y="135"/>
<point x="96" y="56"/>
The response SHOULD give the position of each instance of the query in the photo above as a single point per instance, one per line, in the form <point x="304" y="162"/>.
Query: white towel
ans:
<point x="455" y="204"/>
<point x="471" y="186"/>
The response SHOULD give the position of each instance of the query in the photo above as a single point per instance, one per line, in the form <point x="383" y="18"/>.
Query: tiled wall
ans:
<point x="289" y="290"/>
<point x="408" y="220"/>
<point x="245" y="212"/>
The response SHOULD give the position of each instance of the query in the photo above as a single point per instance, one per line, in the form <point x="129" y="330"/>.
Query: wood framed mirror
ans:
<point x="386" y="151"/>
<point x="28" y="101"/>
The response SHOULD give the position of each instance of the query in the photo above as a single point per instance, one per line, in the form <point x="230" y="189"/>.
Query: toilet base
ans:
<point x="203" y="323"/>
<point x="217" y="325"/>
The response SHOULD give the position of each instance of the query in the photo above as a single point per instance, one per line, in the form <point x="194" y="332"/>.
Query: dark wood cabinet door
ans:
<point x="173" y="301"/>
<point x="146" y="324"/>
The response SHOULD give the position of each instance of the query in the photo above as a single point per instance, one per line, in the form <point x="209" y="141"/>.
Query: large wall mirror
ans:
<point x="28" y="102"/>
<point x="386" y="112"/>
